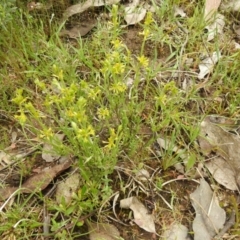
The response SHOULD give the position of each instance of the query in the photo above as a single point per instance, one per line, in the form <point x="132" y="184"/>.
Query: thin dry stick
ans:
<point x="114" y="211"/>
<point x="107" y="200"/>
<point x="12" y="195"/>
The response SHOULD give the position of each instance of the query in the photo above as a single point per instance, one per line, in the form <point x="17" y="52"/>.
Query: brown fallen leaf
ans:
<point x="103" y="231"/>
<point x="79" y="30"/>
<point x="48" y="153"/>
<point x="216" y="136"/>
<point x="142" y="217"/>
<point x="211" y="7"/>
<point x="37" y="182"/>
<point x="209" y="217"/>
<point x="67" y="188"/>
<point x="81" y="7"/>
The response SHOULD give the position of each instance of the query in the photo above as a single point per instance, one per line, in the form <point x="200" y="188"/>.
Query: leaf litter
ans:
<point x="207" y="65"/>
<point x="103" y="231"/>
<point x="176" y="231"/>
<point x="210" y="217"/>
<point x="142" y="217"/>
<point x="48" y="152"/>
<point x="213" y="138"/>
<point x="67" y="188"/>
<point x="37" y="182"/>
<point x="134" y="12"/>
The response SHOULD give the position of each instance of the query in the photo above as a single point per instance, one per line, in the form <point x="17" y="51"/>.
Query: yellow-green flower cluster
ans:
<point x="103" y="113"/>
<point x="161" y="99"/>
<point x="147" y="26"/>
<point x="19" y="98"/>
<point x="145" y="33"/>
<point x="24" y="107"/>
<point x="40" y="84"/>
<point x="91" y="92"/>
<point x="117" y="44"/>
<point x="47" y="133"/>
<point x="167" y="93"/>
<point x="83" y="134"/>
<point x="77" y="115"/>
<point x="21" y="117"/>
<point x="57" y="72"/>
<point x="170" y="88"/>
<point x="111" y="143"/>
<point x="118" y="87"/>
<point x="144" y="62"/>
<point x="115" y="62"/>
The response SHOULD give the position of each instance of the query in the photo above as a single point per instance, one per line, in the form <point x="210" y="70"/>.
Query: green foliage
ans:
<point x="101" y="96"/>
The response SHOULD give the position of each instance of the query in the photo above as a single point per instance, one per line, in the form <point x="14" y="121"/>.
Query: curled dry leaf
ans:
<point x="48" y="152"/>
<point x="37" y="182"/>
<point x="206" y="66"/>
<point x="143" y="175"/>
<point x="79" y="30"/>
<point x="236" y="45"/>
<point x="179" y="12"/>
<point x="81" y="7"/>
<point x="176" y="231"/>
<point x="102" y="231"/>
<point x="222" y="172"/>
<point x="141" y="215"/>
<point x="215" y="137"/>
<point x="211" y="7"/>
<point x="5" y="159"/>
<point x="210" y="217"/>
<point x="236" y="28"/>
<point x="67" y="188"/>
<point x="216" y="27"/>
<point x="231" y="5"/>
<point x="134" y="13"/>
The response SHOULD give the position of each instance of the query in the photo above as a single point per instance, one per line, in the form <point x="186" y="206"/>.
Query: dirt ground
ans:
<point x="151" y="197"/>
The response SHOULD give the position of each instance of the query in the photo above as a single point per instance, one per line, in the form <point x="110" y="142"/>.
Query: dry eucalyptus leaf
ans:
<point x="176" y="231"/>
<point x="216" y="27"/>
<point x="67" y="188"/>
<point x="231" y="5"/>
<point x="134" y="14"/>
<point x="210" y="217"/>
<point x="129" y="82"/>
<point x="187" y="84"/>
<point x="206" y="66"/>
<point x="48" y="152"/>
<point x="81" y="7"/>
<point x="236" y="29"/>
<point x="211" y="7"/>
<point x="79" y="30"/>
<point x="179" y="12"/>
<point x="38" y="181"/>
<point x="142" y="175"/>
<point x="14" y="136"/>
<point x="222" y="173"/>
<point x="5" y="159"/>
<point x="141" y="215"/>
<point x="103" y="231"/>
<point x="236" y="45"/>
<point x="214" y="136"/>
